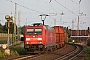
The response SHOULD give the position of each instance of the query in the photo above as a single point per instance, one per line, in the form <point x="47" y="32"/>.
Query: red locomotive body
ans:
<point x="38" y="37"/>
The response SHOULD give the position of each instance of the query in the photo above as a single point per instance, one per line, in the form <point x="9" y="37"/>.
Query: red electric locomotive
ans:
<point x="38" y="38"/>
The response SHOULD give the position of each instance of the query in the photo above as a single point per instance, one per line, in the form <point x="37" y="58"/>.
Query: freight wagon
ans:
<point x="60" y="36"/>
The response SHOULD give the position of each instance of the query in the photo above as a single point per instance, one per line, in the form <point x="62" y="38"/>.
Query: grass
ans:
<point x="2" y="54"/>
<point x="19" y="49"/>
<point x="14" y="51"/>
<point x="87" y="51"/>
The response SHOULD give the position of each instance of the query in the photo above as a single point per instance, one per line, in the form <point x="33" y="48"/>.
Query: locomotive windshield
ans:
<point x="34" y="31"/>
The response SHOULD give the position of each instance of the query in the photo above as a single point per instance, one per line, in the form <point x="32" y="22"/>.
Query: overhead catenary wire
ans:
<point x="25" y="7"/>
<point x="65" y="7"/>
<point x="49" y="5"/>
<point x="38" y="11"/>
<point x="41" y="12"/>
<point x="75" y="3"/>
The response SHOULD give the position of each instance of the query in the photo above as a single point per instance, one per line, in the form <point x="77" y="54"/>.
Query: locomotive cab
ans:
<point x="33" y="40"/>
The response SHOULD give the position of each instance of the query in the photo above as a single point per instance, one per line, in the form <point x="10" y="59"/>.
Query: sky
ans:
<point x="31" y="9"/>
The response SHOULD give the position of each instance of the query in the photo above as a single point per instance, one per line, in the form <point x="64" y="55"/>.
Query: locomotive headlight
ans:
<point x="27" y="43"/>
<point x="27" y="39"/>
<point x="39" y="38"/>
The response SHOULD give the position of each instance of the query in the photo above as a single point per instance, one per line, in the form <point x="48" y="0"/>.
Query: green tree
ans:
<point x="69" y="33"/>
<point x="22" y="29"/>
<point x="3" y="28"/>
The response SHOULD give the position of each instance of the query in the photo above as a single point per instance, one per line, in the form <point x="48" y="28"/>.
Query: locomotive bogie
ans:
<point x="34" y="48"/>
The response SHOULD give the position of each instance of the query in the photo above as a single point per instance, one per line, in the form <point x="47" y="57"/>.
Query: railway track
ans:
<point x="72" y="54"/>
<point x="69" y="52"/>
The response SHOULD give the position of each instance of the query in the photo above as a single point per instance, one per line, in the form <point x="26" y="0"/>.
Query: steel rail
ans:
<point x="72" y="54"/>
<point x="81" y="50"/>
